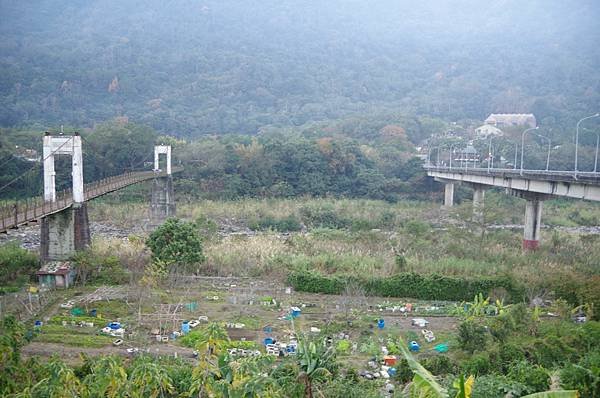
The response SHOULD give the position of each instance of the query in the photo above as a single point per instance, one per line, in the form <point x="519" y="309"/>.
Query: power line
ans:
<point x="10" y="156"/>
<point x="34" y="166"/>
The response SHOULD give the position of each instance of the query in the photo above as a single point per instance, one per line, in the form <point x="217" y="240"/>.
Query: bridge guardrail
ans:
<point x="21" y="212"/>
<point x="580" y="176"/>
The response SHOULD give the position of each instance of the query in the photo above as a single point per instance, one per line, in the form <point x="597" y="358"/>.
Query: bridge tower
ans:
<point x="65" y="232"/>
<point x="162" y="205"/>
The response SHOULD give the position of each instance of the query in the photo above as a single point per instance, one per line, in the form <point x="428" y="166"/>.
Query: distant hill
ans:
<point x="194" y="67"/>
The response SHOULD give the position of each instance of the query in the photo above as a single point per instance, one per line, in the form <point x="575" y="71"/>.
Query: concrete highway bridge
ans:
<point x="534" y="186"/>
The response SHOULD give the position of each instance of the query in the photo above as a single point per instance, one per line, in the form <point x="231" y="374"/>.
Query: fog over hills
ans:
<point x="194" y="67"/>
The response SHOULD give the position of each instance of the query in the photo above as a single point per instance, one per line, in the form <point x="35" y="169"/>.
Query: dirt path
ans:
<point x="72" y="354"/>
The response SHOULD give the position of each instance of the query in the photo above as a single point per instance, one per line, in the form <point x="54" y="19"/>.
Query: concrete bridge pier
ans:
<point x="533" y="217"/>
<point x="162" y="205"/>
<point x="533" y="222"/>
<point x="478" y="203"/>
<point x="64" y="233"/>
<point x="448" y="192"/>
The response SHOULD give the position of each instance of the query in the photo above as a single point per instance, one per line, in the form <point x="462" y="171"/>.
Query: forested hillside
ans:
<point x="234" y="166"/>
<point x="198" y="67"/>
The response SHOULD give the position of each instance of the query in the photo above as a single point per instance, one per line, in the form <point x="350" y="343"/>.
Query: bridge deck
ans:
<point x="35" y="208"/>
<point x="582" y="177"/>
<point x="583" y="185"/>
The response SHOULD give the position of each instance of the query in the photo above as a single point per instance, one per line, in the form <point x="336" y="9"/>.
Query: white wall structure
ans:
<point x="63" y="145"/>
<point x="162" y="149"/>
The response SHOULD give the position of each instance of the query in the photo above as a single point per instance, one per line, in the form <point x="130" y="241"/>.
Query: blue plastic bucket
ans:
<point x="37" y="324"/>
<point x="414" y="346"/>
<point x="392" y="372"/>
<point x="296" y="312"/>
<point x="114" y="325"/>
<point x="381" y="323"/>
<point x="268" y="340"/>
<point x="93" y="312"/>
<point x="185" y="327"/>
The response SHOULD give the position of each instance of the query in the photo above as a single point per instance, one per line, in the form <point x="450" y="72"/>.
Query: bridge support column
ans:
<point x="64" y="233"/>
<point x="163" y="199"/>
<point x="478" y="203"/>
<point x="533" y="221"/>
<point x="448" y="194"/>
<point x="533" y="217"/>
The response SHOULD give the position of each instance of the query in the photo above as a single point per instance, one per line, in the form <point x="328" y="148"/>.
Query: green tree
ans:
<point x="177" y="244"/>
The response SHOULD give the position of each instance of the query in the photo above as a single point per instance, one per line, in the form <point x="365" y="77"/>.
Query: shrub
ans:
<point x="535" y="377"/>
<point x="177" y="243"/>
<point x="584" y="377"/>
<point x="471" y="336"/>
<point x="94" y="267"/>
<point x="509" y="353"/>
<point x="400" y="262"/>
<point x="343" y="347"/>
<point x="439" y="365"/>
<point x="16" y="264"/>
<point x="591" y="334"/>
<point x="477" y="365"/>
<point x="417" y="228"/>
<point x="501" y="326"/>
<point x="496" y="386"/>
<point x="425" y="287"/>
<point x="287" y="224"/>
<point x="552" y="350"/>
<point x="207" y="228"/>
<point x="323" y="217"/>
<point x="404" y="374"/>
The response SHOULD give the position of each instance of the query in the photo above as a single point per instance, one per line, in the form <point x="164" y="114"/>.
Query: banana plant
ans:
<point x="425" y="385"/>
<point x="313" y="361"/>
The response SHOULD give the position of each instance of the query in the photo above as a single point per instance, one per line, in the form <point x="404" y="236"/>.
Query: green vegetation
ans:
<point x="426" y="287"/>
<point x="176" y="244"/>
<point x="17" y="266"/>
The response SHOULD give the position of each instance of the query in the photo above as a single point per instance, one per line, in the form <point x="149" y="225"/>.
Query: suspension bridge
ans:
<point x="63" y="215"/>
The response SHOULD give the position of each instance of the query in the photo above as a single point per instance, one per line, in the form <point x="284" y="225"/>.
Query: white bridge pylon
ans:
<point x="159" y="150"/>
<point x="63" y="145"/>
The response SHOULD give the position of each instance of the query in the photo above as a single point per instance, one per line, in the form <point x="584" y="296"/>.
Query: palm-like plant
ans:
<point x="149" y="379"/>
<point x="107" y="379"/>
<point x="213" y="339"/>
<point x="60" y="383"/>
<point x="245" y="378"/>
<point x="314" y="361"/>
<point x="212" y="342"/>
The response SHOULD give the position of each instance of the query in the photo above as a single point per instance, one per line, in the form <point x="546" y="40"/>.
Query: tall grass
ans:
<point x="366" y="237"/>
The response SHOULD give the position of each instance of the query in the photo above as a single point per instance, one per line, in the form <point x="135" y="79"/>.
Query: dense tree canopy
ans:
<point x="216" y="66"/>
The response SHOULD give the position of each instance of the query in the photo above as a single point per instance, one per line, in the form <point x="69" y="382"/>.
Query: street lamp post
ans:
<point x="596" y="157"/>
<point x="523" y="144"/>
<point x="451" y="153"/>
<point x="429" y="155"/>
<point x="489" y="159"/>
<point x="577" y="137"/>
<point x="549" y="148"/>
<point x="516" y="151"/>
